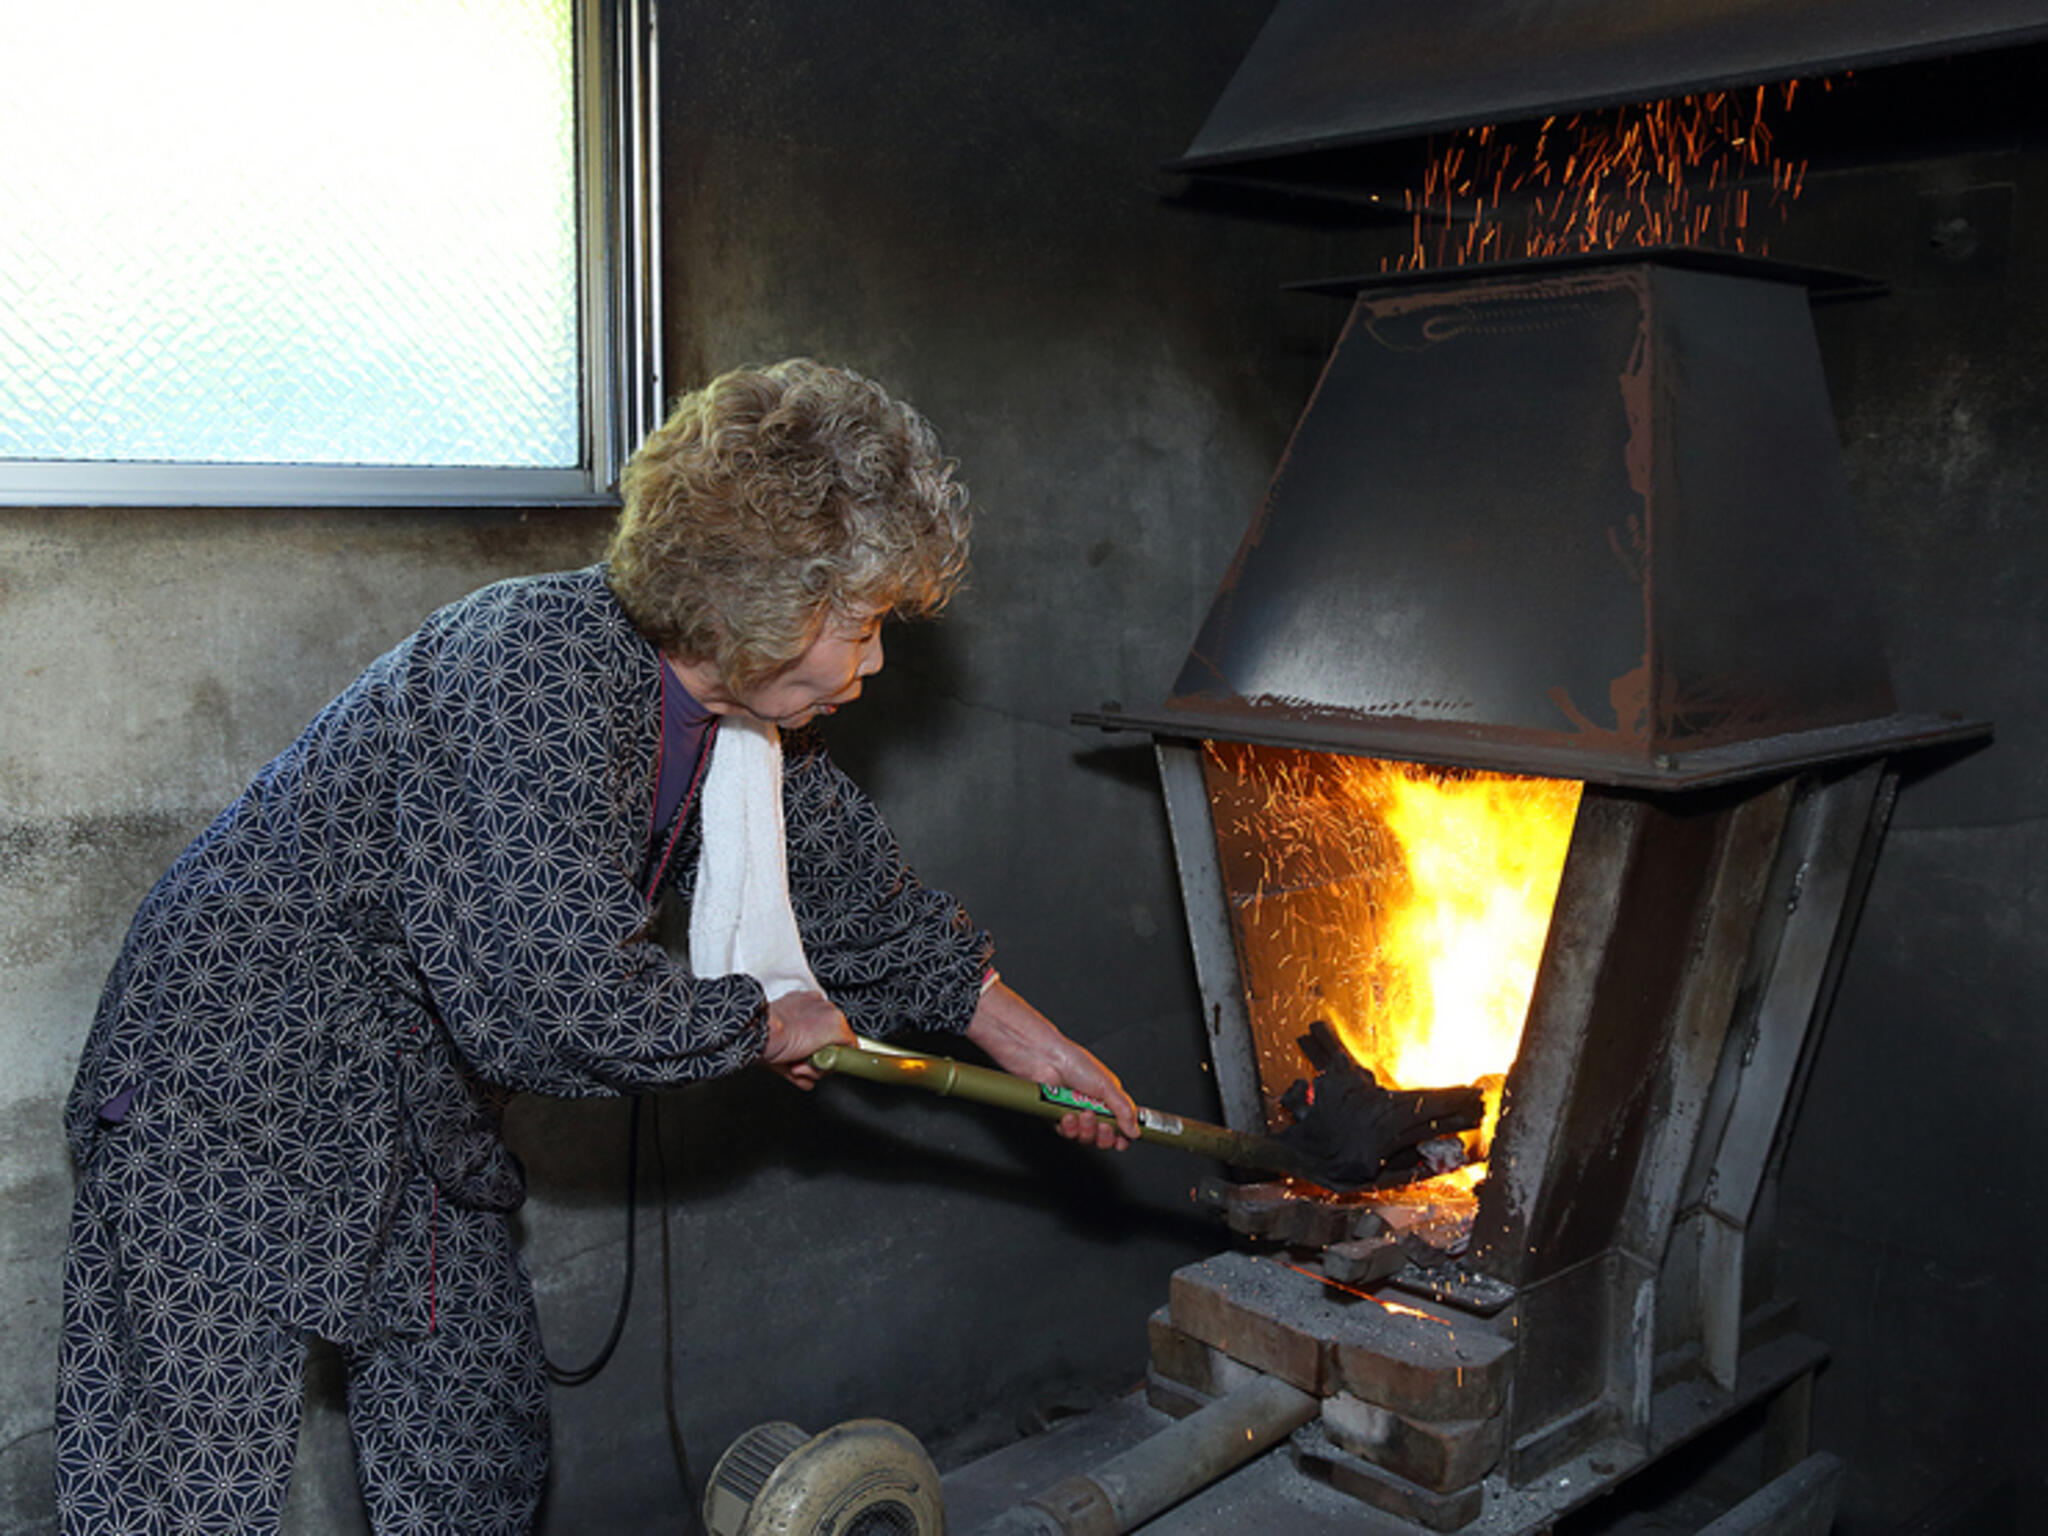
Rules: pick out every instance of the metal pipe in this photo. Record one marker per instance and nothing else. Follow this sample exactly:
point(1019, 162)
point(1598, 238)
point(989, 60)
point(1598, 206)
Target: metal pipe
point(943, 1075)
point(1161, 1470)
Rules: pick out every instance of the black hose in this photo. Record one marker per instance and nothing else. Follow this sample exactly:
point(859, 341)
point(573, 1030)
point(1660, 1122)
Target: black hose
point(693, 1524)
point(576, 1376)
point(566, 1376)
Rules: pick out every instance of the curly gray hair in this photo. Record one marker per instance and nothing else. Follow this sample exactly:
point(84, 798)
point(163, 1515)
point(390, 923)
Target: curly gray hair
point(772, 497)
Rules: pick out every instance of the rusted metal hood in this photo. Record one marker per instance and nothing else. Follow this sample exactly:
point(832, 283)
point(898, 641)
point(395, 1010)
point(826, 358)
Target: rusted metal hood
point(1329, 73)
point(1583, 518)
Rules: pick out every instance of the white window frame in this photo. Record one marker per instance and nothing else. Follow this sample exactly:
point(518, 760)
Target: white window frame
point(619, 332)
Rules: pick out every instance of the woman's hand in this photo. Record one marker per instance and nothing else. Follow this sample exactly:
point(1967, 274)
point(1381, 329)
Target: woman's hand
point(798, 1024)
point(1024, 1042)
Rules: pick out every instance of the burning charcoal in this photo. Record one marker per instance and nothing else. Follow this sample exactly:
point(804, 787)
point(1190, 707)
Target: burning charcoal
point(1421, 1252)
point(1347, 1127)
point(1317, 1223)
point(1440, 1154)
point(1256, 1210)
point(1429, 1234)
point(1284, 1213)
point(1363, 1260)
point(1366, 1224)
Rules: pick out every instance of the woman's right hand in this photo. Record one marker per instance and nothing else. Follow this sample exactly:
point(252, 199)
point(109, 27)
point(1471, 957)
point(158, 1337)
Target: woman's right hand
point(798, 1024)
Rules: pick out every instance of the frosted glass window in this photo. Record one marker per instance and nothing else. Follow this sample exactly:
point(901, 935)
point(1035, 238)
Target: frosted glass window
point(238, 232)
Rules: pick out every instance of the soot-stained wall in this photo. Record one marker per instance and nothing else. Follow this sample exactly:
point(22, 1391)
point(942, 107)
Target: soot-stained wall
point(961, 200)
point(1916, 1199)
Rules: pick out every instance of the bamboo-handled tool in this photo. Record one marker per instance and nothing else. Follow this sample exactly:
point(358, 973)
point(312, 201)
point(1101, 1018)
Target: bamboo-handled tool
point(943, 1075)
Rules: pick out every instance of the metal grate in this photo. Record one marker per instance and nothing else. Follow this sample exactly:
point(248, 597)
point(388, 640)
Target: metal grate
point(755, 1456)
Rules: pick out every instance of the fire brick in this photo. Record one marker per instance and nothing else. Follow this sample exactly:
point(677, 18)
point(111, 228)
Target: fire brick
point(1442, 1456)
point(1180, 1358)
point(1264, 1314)
point(1323, 1457)
point(1173, 1399)
point(1423, 1362)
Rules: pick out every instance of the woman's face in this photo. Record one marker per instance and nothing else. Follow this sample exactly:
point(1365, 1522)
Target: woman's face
point(828, 674)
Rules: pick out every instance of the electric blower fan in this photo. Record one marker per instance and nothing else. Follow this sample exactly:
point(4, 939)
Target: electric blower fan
point(866, 1477)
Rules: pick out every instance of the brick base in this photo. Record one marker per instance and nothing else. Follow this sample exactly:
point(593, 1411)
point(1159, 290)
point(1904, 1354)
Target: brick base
point(1418, 1360)
point(1441, 1455)
point(1321, 1457)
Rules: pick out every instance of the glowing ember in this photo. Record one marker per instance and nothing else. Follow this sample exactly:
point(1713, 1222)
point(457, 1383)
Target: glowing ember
point(1693, 170)
point(1407, 905)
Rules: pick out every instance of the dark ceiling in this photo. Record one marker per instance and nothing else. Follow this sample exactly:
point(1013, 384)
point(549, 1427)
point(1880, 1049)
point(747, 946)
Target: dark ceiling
point(1330, 73)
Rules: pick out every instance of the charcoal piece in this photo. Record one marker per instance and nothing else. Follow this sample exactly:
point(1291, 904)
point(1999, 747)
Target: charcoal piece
point(1363, 1260)
point(1274, 1211)
point(1347, 1127)
point(1422, 1253)
point(1441, 1154)
point(1256, 1210)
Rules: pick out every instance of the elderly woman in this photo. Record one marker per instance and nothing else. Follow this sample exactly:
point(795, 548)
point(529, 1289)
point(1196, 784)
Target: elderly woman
point(287, 1116)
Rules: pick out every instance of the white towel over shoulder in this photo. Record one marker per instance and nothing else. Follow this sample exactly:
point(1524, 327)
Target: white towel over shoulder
point(741, 922)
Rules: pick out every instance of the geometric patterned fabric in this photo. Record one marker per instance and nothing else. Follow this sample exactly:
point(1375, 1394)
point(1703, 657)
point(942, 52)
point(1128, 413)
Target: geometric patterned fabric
point(437, 896)
point(236, 232)
point(178, 1406)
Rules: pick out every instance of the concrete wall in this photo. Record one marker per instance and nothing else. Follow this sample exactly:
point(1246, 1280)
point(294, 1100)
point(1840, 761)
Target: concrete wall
point(961, 200)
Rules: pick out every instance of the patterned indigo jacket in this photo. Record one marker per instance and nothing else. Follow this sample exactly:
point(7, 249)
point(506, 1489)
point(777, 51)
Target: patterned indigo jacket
point(438, 895)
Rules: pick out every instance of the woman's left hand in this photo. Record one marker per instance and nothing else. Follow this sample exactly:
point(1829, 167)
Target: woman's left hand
point(1025, 1043)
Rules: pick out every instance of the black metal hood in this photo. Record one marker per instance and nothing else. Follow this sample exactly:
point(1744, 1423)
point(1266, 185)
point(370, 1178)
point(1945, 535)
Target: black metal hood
point(1584, 518)
point(1329, 73)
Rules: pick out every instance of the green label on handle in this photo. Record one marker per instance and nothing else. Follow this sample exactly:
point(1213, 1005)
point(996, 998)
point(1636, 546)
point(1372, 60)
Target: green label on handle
point(1069, 1098)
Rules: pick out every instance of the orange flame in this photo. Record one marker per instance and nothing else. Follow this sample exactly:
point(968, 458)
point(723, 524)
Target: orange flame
point(1407, 905)
point(1674, 172)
